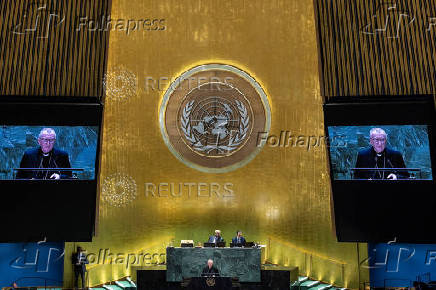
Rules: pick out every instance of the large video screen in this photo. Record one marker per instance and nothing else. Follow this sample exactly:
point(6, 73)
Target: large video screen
point(378, 152)
point(49, 167)
point(48, 152)
point(382, 170)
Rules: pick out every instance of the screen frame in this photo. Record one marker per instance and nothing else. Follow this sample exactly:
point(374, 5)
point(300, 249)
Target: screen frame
point(429, 136)
point(346, 210)
point(53, 111)
point(56, 128)
point(420, 111)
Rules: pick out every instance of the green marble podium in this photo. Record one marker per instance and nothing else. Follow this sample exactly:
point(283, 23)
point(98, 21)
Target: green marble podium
point(231, 262)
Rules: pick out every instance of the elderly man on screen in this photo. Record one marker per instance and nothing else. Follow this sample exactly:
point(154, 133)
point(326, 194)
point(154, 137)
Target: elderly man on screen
point(45, 156)
point(378, 156)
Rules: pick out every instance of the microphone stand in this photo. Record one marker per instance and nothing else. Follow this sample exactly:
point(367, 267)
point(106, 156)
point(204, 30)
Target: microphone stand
point(377, 172)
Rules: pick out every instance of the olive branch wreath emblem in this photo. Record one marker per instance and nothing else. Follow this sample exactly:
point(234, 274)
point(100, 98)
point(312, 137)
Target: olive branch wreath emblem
point(234, 140)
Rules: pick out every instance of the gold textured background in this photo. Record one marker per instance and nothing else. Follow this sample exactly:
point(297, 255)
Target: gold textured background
point(281, 198)
point(55, 59)
point(377, 47)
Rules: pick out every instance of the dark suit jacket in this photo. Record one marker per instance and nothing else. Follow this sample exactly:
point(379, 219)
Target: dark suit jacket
point(390, 159)
point(235, 240)
point(212, 239)
point(212, 270)
point(32, 158)
point(84, 261)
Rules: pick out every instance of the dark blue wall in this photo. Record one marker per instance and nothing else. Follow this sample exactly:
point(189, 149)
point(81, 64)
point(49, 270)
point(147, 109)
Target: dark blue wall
point(32, 264)
point(399, 265)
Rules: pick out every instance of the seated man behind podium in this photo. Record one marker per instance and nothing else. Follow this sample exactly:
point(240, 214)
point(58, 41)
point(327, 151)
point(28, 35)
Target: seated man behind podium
point(239, 239)
point(45, 156)
point(210, 268)
point(379, 156)
point(216, 238)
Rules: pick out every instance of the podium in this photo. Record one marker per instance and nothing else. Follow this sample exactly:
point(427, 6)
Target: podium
point(243, 263)
point(48, 169)
point(403, 173)
point(209, 283)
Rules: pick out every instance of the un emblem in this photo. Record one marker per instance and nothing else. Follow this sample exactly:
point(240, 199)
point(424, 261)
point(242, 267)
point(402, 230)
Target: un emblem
point(210, 282)
point(208, 116)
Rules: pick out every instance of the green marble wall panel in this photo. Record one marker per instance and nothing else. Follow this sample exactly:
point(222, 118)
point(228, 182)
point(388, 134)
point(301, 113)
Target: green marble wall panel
point(231, 262)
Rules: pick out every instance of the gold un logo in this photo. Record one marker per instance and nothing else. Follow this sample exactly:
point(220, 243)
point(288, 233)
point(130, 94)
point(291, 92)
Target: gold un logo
point(208, 116)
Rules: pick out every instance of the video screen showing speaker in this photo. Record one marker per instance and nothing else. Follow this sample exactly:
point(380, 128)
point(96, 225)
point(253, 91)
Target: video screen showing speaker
point(381, 169)
point(381, 152)
point(49, 167)
point(44, 152)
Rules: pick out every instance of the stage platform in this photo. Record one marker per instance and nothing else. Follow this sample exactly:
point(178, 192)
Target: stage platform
point(271, 277)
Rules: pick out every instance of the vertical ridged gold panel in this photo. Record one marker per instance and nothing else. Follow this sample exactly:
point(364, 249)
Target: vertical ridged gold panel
point(44, 51)
point(377, 47)
point(281, 198)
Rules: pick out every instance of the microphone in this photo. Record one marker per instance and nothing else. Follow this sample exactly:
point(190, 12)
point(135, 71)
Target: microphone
point(377, 155)
point(401, 174)
point(390, 163)
point(56, 165)
point(392, 166)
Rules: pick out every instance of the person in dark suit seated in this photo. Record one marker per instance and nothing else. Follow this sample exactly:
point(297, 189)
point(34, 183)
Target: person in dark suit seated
point(45, 156)
point(379, 156)
point(216, 238)
point(210, 268)
point(239, 239)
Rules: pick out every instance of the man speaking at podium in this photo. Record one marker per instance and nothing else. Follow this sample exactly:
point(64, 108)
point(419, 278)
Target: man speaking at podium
point(210, 269)
point(45, 156)
point(379, 156)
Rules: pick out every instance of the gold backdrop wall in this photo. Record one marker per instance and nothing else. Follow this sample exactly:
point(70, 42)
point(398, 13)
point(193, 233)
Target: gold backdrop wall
point(281, 198)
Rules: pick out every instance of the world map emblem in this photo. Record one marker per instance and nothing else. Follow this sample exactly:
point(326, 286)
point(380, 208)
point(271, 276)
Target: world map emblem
point(210, 117)
point(212, 127)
